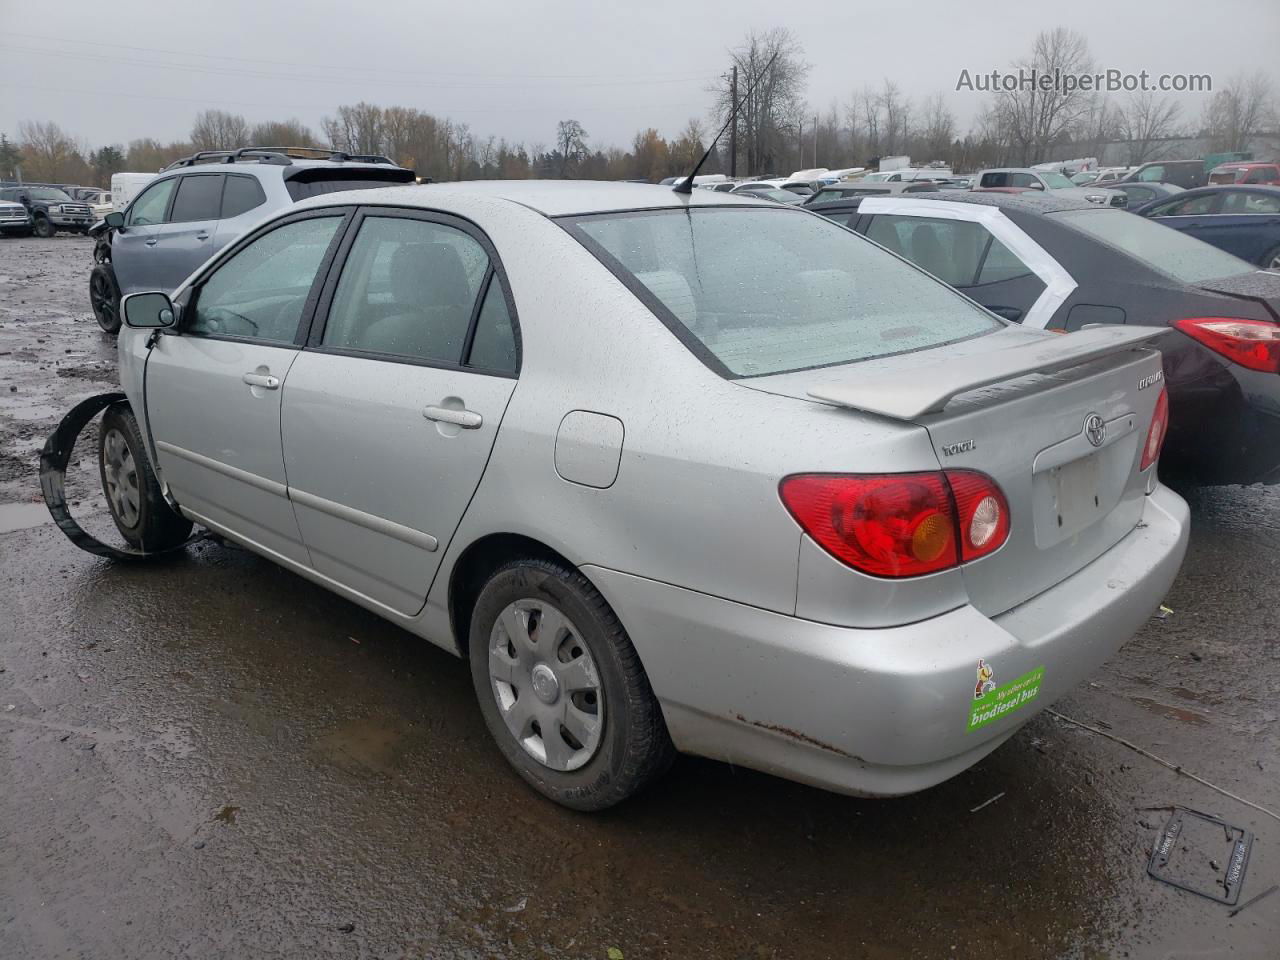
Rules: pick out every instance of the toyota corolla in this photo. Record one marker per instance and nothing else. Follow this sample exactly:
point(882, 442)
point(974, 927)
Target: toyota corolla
point(694, 473)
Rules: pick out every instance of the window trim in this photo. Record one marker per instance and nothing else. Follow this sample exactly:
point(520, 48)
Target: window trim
point(173, 199)
point(190, 296)
point(312, 340)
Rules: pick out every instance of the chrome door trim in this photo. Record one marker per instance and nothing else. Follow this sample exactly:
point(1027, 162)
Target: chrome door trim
point(390, 528)
point(217, 466)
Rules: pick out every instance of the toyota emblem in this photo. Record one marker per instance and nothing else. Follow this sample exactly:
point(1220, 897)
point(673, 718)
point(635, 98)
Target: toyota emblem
point(1095, 428)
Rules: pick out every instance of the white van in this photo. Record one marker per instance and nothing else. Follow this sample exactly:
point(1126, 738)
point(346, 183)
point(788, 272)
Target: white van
point(126, 186)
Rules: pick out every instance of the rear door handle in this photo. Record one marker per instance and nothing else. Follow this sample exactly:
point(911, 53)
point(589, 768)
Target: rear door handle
point(466, 419)
point(264, 380)
point(151, 242)
point(202, 236)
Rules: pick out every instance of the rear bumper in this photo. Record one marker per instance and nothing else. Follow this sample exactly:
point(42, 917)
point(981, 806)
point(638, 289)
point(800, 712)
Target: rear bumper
point(887, 711)
point(1225, 429)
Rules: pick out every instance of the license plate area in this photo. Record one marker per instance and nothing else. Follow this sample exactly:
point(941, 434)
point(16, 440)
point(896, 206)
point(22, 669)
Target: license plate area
point(1070, 498)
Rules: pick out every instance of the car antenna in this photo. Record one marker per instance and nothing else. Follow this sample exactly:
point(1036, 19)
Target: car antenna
point(686, 185)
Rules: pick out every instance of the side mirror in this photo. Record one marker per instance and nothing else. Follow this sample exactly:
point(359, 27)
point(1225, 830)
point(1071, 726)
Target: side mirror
point(1036, 185)
point(148, 310)
point(24, 199)
point(115, 220)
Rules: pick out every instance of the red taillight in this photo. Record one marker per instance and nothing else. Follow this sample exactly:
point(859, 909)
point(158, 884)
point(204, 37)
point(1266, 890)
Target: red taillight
point(1251, 343)
point(901, 524)
point(1156, 432)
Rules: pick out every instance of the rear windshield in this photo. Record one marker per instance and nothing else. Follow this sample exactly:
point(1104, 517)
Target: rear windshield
point(761, 291)
point(318, 181)
point(1159, 247)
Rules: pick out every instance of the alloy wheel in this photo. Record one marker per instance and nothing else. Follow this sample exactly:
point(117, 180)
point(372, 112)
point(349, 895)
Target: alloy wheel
point(546, 684)
point(101, 298)
point(121, 475)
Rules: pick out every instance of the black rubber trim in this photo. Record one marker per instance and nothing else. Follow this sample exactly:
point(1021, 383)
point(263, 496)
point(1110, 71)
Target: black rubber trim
point(54, 458)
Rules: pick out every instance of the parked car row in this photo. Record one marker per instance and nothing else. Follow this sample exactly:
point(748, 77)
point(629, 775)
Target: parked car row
point(936, 495)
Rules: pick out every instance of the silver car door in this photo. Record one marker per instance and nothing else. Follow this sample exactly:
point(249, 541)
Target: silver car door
point(133, 248)
point(186, 240)
point(213, 386)
point(391, 411)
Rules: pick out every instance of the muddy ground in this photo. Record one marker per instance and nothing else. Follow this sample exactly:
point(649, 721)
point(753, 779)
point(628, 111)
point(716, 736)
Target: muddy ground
point(210, 757)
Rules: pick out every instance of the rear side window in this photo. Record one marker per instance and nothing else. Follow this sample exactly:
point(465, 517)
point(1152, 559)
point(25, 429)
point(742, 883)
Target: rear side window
point(1237, 201)
point(494, 344)
point(317, 181)
point(240, 195)
point(199, 197)
point(1171, 252)
point(949, 249)
point(408, 289)
point(759, 291)
point(151, 204)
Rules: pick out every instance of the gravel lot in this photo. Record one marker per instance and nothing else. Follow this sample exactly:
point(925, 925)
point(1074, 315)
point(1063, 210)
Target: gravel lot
point(211, 757)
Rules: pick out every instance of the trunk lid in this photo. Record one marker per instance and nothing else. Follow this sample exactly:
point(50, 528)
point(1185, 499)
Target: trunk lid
point(1020, 406)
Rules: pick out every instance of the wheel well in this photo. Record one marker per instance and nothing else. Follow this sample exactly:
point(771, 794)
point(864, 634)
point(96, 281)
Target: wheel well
point(477, 564)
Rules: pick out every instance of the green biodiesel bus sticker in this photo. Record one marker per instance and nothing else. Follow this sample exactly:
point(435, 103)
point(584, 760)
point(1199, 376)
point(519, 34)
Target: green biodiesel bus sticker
point(991, 702)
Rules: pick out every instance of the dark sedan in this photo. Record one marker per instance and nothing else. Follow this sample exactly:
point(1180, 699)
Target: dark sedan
point(1242, 220)
point(1140, 194)
point(1062, 264)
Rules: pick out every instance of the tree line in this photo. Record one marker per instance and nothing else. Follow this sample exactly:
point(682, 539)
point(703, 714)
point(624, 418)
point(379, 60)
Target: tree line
point(777, 130)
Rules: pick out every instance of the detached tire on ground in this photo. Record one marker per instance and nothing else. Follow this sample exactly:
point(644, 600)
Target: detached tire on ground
point(104, 296)
point(43, 228)
point(141, 513)
point(561, 687)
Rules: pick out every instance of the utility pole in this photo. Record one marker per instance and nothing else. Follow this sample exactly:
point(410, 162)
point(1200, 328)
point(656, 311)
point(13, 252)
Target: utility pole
point(802, 141)
point(733, 129)
point(815, 139)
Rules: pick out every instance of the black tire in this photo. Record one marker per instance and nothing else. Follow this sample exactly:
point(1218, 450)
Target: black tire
point(152, 524)
point(104, 297)
point(43, 228)
point(634, 746)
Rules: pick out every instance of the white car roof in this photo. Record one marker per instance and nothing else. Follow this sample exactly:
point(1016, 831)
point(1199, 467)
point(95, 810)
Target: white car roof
point(553, 198)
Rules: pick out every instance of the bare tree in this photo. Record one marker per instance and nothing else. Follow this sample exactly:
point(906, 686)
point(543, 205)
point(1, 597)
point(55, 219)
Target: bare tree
point(219, 130)
point(571, 144)
point(50, 153)
point(1239, 110)
point(282, 133)
point(870, 101)
point(771, 99)
point(1037, 118)
point(1144, 121)
point(896, 111)
point(356, 129)
point(939, 128)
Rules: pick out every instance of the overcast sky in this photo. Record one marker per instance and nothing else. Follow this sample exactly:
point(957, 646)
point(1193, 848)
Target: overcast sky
point(131, 68)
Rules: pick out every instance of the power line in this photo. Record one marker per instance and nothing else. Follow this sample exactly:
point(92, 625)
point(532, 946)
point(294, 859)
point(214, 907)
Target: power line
point(331, 67)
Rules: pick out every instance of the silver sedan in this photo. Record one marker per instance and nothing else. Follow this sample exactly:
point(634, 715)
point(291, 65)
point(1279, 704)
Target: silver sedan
point(694, 473)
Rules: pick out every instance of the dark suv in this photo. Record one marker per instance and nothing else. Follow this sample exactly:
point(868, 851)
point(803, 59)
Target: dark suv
point(198, 205)
point(51, 209)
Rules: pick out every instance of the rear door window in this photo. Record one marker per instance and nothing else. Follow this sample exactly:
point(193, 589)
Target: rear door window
point(949, 249)
point(240, 195)
point(151, 205)
point(199, 197)
point(1241, 201)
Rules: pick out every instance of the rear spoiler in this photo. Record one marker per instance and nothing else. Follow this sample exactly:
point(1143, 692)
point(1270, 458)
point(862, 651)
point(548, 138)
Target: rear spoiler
point(928, 388)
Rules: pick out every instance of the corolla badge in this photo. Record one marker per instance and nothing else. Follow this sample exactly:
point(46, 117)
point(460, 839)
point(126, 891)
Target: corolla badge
point(1095, 428)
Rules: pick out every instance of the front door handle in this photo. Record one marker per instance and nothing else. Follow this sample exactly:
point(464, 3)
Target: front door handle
point(466, 419)
point(264, 380)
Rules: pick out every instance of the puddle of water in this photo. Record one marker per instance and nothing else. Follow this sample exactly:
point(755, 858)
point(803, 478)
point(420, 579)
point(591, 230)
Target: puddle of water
point(23, 516)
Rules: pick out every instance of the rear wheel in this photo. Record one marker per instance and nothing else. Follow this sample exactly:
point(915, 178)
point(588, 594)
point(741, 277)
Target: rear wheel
point(561, 687)
point(1271, 260)
point(104, 296)
point(43, 228)
point(140, 511)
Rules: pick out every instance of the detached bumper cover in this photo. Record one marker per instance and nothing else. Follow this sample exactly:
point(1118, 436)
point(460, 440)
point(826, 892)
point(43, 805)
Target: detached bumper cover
point(886, 711)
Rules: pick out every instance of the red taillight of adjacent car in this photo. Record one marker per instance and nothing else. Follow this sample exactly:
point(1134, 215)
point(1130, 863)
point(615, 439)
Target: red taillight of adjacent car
point(1156, 432)
point(1254, 344)
point(900, 524)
